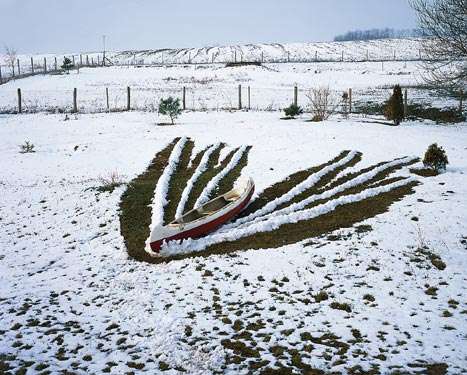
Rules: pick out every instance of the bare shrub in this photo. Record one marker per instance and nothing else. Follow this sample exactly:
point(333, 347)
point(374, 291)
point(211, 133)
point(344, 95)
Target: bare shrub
point(10, 58)
point(110, 181)
point(322, 103)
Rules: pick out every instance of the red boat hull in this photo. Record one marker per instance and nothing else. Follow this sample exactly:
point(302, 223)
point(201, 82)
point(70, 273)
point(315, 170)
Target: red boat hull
point(206, 228)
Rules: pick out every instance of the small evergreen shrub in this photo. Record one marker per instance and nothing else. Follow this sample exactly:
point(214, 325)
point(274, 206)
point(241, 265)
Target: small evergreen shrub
point(293, 110)
point(27, 148)
point(435, 158)
point(170, 107)
point(394, 109)
point(67, 65)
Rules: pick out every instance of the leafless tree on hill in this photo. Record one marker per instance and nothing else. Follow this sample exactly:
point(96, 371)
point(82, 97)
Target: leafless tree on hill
point(444, 22)
point(10, 58)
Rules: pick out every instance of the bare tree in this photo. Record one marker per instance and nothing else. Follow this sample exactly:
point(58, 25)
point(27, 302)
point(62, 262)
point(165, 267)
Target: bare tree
point(10, 58)
point(444, 24)
point(322, 103)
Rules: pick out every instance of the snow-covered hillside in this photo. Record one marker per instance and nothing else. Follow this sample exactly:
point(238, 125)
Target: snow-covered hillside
point(387, 49)
point(374, 50)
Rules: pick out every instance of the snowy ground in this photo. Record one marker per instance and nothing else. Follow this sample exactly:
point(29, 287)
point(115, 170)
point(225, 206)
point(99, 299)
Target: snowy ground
point(71, 299)
point(215, 86)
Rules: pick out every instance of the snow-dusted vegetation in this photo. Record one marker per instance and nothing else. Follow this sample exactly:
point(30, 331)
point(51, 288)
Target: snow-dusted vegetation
point(344, 261)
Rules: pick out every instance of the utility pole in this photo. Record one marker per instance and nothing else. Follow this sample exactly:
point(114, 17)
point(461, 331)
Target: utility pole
point(103, 53)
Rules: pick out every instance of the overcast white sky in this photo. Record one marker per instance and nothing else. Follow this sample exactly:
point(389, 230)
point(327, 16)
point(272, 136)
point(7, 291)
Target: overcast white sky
point(34, 26)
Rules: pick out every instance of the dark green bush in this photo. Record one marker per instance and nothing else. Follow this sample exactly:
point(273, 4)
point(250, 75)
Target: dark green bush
point(394, 109)
point(170, 107)
point(67, 65)
point(293, 110)
point(435, 158)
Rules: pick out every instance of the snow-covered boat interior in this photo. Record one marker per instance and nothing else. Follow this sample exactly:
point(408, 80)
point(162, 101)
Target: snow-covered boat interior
point(208, 208)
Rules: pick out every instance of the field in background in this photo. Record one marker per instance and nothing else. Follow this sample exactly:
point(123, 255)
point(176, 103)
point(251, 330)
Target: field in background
point(215, 87)
point(375, 50)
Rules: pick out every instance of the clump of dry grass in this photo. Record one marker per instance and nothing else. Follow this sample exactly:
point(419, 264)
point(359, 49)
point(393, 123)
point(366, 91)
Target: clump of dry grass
point(110, 181)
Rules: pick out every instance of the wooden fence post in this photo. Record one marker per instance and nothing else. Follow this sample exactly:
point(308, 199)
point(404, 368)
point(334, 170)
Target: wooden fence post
point(235, 56)
point(73, 60)
point(20, 109)
point(461, 102)
point(249, 98)
point(350, 100)
point(92, 61)
point(128, 98)
point(262, 56)
point(184, 98)
point(295, 95)
point(87, 60)
point(19, 69)
point(342, 57)
point(55, 63)
point(239, 96)
point(107, 98)
point(75, 100)
point(394, 55)
point(288, 56)
point(45, 65)
point(316, 55)
point(98, 60)
point(367, 55)
point(80, 59)
point(32, 65)
point(405, 103)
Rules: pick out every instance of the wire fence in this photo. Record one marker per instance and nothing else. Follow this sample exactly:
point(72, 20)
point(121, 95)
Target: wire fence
point(97, 99)
point(25, 66)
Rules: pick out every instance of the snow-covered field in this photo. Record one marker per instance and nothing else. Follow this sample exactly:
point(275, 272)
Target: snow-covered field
point(70, 298)
point(215, 87)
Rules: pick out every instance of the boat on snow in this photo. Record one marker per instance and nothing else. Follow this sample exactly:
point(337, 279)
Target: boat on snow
point(206, 218)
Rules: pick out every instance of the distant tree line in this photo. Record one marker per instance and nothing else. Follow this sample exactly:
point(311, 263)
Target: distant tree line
point(378, 34)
